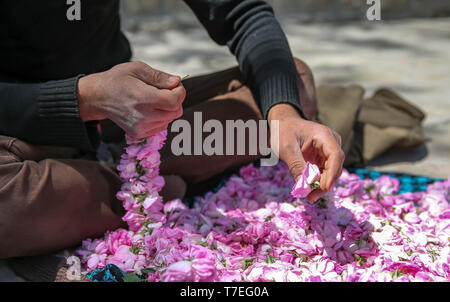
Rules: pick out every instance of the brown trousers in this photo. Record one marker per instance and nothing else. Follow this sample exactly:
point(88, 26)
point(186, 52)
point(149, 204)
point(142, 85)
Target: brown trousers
point(53, 197)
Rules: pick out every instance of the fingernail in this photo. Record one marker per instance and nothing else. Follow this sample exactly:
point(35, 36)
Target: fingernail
point(173, 80)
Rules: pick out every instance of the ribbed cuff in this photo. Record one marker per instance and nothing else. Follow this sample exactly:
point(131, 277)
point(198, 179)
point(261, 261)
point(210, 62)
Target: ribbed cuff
point(281, 88)
point(60, 116)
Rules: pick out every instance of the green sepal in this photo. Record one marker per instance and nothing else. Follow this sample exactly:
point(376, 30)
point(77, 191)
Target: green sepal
point(131, 278)
point(315, 185)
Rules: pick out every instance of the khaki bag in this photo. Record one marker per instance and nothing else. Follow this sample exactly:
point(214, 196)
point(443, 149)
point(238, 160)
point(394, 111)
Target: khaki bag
point(369, 127)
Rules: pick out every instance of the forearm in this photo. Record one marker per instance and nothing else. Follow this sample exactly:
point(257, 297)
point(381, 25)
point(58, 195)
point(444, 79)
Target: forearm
point(307, 93)
point(282, 111)
point(45, 113)
point(253, 34)
point(267, 63)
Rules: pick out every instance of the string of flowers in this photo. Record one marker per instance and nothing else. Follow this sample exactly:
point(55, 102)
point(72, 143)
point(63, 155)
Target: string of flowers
point(254, 229)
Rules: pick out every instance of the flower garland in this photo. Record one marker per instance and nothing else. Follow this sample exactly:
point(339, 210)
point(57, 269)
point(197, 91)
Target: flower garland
point(253, 229)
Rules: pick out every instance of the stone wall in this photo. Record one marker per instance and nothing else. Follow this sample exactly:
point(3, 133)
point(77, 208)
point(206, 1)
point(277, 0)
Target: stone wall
point(309, 10)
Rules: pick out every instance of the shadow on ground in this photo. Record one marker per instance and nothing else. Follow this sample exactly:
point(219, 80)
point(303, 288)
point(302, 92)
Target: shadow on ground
point(400, 155)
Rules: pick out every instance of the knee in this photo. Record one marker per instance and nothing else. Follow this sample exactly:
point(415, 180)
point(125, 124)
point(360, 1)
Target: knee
point(305, 73)
point(308, 93)
point(9, 168)
point(302, 67)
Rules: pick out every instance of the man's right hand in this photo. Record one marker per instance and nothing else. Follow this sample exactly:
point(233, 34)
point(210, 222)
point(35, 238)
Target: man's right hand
point(139, 99)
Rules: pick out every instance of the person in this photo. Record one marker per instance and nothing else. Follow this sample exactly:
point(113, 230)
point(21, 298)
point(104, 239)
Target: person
point(60, 79)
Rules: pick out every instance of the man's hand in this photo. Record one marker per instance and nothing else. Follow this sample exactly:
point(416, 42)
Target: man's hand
point(139, 99)
point(301, 140)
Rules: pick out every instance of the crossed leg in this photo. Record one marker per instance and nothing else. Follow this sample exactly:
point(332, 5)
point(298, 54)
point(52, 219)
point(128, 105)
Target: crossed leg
point(51, 199)
point(224, 96)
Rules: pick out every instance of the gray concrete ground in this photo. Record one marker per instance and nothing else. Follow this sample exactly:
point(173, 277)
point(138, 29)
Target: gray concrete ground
point(410, 56)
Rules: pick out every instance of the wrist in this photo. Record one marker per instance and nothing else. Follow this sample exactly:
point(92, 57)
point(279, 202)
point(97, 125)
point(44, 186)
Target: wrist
point(87, 100)
point(282, 111)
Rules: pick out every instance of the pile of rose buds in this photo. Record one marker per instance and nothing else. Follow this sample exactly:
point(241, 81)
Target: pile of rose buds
point(254, 229)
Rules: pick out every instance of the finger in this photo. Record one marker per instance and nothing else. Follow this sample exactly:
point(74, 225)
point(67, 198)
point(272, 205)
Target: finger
point(313, 153)
point(333, 165)
point(155, 77)
point(170, 100)
point(156, 118)
point(315, 195)
point(152, 129)
point(338, 138)
point(158, 129)
point(293, 157)
point(168, 116)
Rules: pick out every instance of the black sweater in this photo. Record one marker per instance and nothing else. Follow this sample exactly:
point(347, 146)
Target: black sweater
point(43, 54)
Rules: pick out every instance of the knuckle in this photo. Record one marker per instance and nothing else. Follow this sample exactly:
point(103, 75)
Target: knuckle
point(329, 131)
point(120, 66)
point(285, 145)
point(139, 64)
point(179, 113)
point(341, 155)
point(296, 167)
point(283, 149)
point(173, 101)
point(323, 130)
point(134, 65)
point(157, 76)
point(182, 95)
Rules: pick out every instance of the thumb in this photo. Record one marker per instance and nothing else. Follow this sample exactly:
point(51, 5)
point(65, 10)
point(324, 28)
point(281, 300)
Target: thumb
point(155, 77)
point(293, 157)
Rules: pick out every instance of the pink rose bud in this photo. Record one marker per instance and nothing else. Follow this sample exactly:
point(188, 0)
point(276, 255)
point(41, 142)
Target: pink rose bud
point(307, 182)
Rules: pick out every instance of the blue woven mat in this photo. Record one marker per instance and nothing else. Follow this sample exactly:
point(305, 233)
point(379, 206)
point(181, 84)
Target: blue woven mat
point(110, 273)
point(408, 182)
